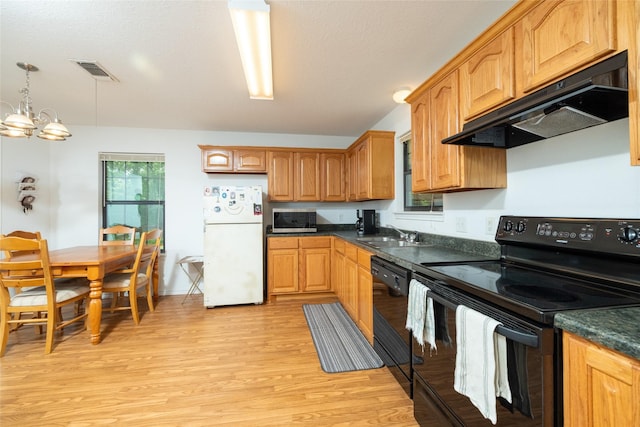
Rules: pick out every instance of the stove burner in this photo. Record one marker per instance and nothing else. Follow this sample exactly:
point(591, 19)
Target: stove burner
point(540, 293)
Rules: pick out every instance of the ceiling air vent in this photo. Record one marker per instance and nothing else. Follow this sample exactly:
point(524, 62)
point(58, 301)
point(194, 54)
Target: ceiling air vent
point(96, 70)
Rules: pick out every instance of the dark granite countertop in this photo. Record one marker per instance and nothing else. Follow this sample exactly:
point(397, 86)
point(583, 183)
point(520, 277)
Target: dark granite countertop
point(440, 249)
point(616, 328)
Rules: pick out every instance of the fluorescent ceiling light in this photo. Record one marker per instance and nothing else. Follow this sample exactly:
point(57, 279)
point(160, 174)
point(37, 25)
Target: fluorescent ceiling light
point(251, 25)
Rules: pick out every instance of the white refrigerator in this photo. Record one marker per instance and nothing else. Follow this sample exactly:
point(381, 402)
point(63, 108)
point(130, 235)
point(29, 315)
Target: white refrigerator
point(233, 246)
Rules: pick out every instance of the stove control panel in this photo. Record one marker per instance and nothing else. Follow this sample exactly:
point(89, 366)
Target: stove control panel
point(615, 236)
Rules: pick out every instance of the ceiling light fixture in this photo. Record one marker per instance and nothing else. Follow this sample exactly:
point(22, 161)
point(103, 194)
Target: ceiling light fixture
point(22, 122)
point(400, 94)
point(251, 25)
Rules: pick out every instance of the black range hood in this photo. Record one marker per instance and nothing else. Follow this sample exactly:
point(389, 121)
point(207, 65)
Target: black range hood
point(593, 96)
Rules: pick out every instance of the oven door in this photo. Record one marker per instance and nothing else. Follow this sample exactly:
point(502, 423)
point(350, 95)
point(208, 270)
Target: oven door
point(391, 341)
point(531, 369)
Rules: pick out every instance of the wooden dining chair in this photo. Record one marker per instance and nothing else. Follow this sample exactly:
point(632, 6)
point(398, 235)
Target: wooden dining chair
point(137, 277)
point(40, 294)
point(25, 235)
point(117, 235)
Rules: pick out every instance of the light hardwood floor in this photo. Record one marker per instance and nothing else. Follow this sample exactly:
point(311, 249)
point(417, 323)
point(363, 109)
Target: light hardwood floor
point(188, 366)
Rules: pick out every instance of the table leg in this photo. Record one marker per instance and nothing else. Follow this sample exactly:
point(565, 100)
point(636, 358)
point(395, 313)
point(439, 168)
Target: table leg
point(95, 310)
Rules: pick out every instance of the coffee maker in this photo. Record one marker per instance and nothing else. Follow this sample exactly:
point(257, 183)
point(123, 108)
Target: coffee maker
point(369, 221)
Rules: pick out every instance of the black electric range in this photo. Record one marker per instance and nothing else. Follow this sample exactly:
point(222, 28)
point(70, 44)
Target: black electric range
point(547, 265)
point(550, 265)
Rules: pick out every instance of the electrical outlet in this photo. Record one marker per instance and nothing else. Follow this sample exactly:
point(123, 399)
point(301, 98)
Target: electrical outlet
point(490, 225)
point(340, 218)
point(461, 224)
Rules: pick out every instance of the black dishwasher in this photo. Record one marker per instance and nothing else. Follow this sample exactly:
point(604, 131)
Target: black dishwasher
point(391, 340)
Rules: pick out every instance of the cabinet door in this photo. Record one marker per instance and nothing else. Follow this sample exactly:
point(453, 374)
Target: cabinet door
point(352, 165)
point(337, 275)
point(250, 161)
point(420, 144)
point(283, 271)
point(365, 295)
point(280, 176)
point(315, 270)
point(601, 387)
point(443, 122)
point(333, 177)
point(217, 160)
point(487, 79)
point(364, 171)
point(558, 37)
point(350, 281)
point(307, 172)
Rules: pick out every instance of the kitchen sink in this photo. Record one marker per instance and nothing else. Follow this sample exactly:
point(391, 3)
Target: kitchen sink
point(379, 242)
point(377, 239)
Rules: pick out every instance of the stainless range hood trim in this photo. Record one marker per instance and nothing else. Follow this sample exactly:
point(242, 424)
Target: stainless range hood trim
point(606, 80)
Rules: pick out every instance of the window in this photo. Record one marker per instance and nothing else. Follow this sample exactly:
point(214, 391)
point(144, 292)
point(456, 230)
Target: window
point(425, 202)
point(133, 191)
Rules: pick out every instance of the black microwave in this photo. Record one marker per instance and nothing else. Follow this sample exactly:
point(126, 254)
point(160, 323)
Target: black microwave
point(294, 221)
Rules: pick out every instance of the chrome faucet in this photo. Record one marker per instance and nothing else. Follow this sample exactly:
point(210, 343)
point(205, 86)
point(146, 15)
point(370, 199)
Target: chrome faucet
point(403, 235)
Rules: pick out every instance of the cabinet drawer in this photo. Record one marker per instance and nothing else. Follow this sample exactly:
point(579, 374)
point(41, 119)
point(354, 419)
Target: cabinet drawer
point(315, 242)
point(364, 258)
point(351, 252)
point(338, 245)
point(283, 243)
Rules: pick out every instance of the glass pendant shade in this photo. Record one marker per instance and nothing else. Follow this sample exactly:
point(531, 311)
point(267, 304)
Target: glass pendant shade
point(19, 121)
point(56, 128)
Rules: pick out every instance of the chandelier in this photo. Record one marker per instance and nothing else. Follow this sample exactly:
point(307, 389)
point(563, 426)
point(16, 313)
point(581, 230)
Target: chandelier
point(22, 122)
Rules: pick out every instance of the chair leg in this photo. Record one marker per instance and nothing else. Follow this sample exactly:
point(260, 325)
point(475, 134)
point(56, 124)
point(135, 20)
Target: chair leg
point(51, 328)
point(150, 298)
point(4, 331)
point(38, 315)
point(133, 303)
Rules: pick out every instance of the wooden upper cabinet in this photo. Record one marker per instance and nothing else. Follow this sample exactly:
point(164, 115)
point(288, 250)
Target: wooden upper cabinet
point(487, 79)
point(216, 159)
point(443, 123)
point(557, 38)
point(420, 144)
point(252, 161)
point(436, 167)
point(364, 170)
point(306, 175)
point(233, 159)
point(371, 166)
point(333, 177)
point(280, 173)
point(306, 183)
point(352, 175)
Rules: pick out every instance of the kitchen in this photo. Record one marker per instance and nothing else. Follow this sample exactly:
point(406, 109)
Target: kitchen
point(582, 174)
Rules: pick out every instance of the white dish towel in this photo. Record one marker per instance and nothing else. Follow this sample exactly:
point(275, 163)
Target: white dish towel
point(420, 315)
point(481, 361)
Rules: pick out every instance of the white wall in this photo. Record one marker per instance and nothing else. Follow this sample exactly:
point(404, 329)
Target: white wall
point(583, 174)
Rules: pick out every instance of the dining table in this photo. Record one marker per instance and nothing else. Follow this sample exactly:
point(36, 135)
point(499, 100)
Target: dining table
point(94, 263)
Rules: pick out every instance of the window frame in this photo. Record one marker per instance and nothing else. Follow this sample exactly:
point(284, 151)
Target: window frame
point(160, 203)
point(435, 200)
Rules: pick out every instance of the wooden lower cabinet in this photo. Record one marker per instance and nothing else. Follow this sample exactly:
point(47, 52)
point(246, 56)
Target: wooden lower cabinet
point(350, 281)
point(353, 284)
point(365, 294)
point(298, 265)
point(601, 386)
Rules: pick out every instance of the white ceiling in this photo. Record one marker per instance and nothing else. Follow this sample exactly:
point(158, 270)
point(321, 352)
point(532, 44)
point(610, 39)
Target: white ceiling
point(335, 63)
